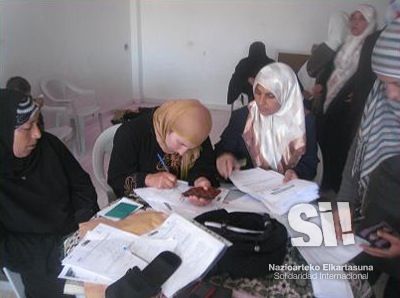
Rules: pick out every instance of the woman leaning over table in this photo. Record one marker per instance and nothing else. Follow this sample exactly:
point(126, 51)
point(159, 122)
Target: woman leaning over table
point(171, 142)
point(44, 195)
point(272, 132)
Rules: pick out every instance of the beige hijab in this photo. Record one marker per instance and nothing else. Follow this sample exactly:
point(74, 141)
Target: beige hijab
point(190, 120)
point(277, 141)
point(346, 61)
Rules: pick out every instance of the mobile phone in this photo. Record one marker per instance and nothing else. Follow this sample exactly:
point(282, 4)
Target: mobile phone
point(162, 267)
point(371, 234)
point(209, 194)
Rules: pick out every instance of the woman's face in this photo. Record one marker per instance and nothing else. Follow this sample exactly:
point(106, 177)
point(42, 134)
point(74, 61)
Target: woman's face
point(177, 144)
point(357, 23)
point(266, 101)
point(392, 87)
point(26, 137)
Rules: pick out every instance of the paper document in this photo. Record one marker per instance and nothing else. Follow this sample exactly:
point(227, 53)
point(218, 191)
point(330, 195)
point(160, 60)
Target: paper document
point(106, 253)
point(197, 248)
point(172, 200)
point(268, 187)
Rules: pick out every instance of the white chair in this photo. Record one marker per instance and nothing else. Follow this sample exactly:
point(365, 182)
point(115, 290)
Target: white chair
point(56, 123)
point(81, 103)
point(101, 152)
point(16, 283)
point(243, 99)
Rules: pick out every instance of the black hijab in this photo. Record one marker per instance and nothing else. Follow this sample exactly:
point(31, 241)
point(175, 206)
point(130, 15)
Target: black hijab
point(246, 68)
point(10, 165)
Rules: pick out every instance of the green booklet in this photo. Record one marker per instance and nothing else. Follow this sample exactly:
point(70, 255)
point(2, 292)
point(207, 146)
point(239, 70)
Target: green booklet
point(120, 209)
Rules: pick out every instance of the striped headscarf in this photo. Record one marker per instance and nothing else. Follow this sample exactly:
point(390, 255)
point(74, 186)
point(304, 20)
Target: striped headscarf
point(386, 54)
point(379, 134)
point(26, 109)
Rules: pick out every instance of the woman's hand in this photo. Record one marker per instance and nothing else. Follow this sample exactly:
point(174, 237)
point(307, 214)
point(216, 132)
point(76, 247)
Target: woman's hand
point(161, 180)
point(226, 163)
point(317, 90)
point(289, 175)
point(204, 183)
point(392, 252)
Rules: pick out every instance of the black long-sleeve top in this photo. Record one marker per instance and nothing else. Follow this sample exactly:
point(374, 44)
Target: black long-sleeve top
point(135, 153)
point(42, 204)
point(232, 142)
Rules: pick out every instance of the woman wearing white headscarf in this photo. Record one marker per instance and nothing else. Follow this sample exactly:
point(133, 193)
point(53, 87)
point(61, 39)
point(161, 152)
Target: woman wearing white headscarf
point(336, 123)
point(272, 132)
point(322, 56)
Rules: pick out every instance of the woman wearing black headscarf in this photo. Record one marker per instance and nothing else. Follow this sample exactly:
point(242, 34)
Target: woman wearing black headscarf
point(44, 195)
point(246, 69)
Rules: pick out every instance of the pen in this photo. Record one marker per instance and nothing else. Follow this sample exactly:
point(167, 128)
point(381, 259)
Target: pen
point(162, 162)
point(168, 206)
point(282, 189)
point(129, 250)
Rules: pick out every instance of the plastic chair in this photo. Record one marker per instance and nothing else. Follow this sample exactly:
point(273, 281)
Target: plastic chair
point(16, 283)
point(244, 100)
point(101, 151)
point(60, 128)
point(81, 103)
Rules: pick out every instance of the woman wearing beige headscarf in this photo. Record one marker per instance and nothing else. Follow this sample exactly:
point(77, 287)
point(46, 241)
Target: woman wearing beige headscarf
point(337, 121)
point(272, 131)
point(168, 143)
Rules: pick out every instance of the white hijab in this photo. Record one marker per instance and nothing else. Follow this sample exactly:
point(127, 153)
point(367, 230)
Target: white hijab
point(277, 141)
point(346, 61)
point(338, 29)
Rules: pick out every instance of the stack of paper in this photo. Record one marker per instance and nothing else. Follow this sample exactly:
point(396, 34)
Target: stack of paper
point(106, 253)
point(268, 187)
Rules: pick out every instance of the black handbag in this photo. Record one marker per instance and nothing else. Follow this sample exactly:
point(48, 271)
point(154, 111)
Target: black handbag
point(257, 239)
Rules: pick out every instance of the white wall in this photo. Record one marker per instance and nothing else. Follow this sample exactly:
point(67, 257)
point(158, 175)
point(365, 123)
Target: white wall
point(190, 47)
point(177, 48)
point(79, 39)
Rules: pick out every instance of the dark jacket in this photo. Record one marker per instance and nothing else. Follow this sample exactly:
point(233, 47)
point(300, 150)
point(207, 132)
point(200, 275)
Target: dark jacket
point(232, 142)
point(43, 197)
point(135, 155)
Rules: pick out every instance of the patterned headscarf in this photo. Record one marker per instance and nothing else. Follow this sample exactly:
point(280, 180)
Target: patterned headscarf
point(393, 11)
point(26, 109)
point(277, 141)
point(386, 54)
point(346, 61)
point(379, 135)
point(190, 120)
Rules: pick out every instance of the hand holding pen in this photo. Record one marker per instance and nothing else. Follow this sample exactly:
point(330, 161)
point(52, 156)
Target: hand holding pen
point(162, 180)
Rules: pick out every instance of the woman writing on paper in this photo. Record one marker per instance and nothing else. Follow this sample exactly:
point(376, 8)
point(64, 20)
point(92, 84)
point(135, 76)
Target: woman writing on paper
point(169, 143)
point(271, 132)
point(44, 195)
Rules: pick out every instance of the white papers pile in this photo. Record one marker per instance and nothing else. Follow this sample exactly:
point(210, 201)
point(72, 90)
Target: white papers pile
point(106, 253)
point(103, 256)
point(268, 187)
point(172, 200)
